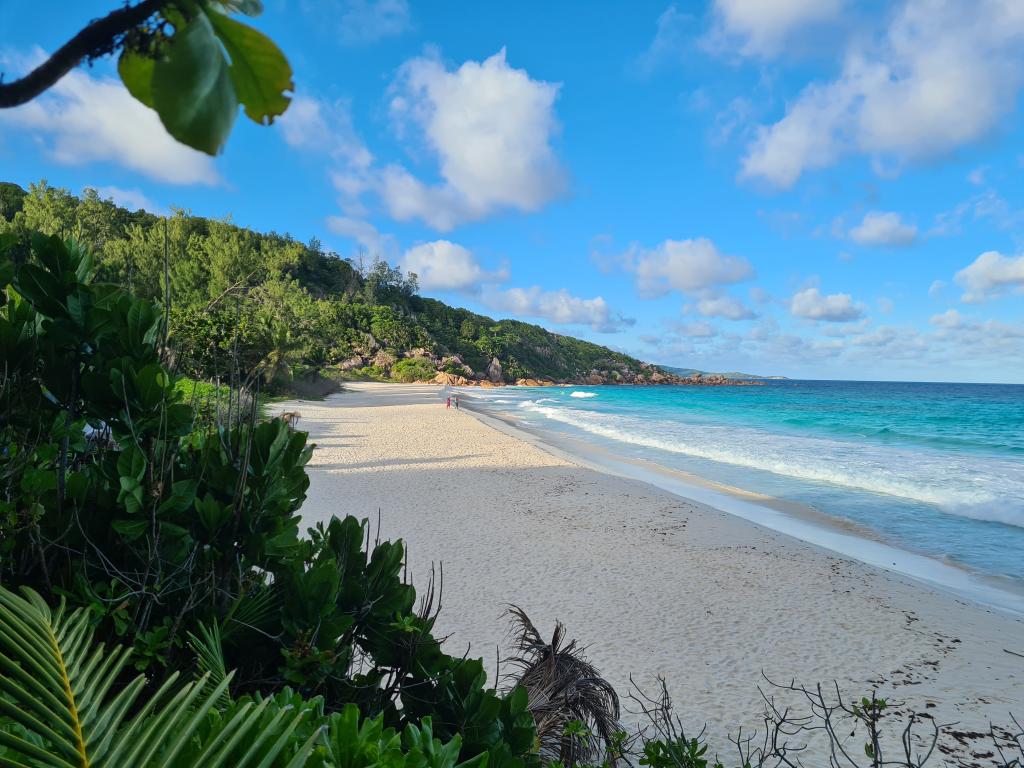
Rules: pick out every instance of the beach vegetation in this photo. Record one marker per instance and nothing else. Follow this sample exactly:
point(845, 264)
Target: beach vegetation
point(247, 306)
point(173, 605)
point(413, 369)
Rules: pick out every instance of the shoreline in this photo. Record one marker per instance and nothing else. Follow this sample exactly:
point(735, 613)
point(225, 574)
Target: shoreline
point(792, 519)
point(651, 583)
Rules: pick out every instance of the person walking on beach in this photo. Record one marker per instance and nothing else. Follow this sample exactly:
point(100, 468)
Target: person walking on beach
point(448, 405)
point(456, 402)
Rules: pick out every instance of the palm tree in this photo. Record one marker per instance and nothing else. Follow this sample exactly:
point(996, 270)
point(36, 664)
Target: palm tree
point(575, 709)
point(276, 366)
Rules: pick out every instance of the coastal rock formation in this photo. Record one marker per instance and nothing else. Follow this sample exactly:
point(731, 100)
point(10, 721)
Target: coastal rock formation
point(425, 354)
point(450, 380)
point(454, 361)
point(352, 362)
point(494, 372)
point(384, 360)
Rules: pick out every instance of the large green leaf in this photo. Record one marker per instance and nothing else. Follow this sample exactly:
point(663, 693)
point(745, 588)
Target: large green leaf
point(260, 72)
point(136, 73)
point(192, 88)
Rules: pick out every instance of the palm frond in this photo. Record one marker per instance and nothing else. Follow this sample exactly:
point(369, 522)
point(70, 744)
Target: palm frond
point(210, 655)
point(575, 709)
point(64, 708)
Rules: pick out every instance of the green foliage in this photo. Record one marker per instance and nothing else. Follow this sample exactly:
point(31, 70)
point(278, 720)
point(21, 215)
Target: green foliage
point(196, 76)
point(62, 705)
point(412, 369)
point(185, 542)
point(208, 401)
point(248, 306)
point(11, 197)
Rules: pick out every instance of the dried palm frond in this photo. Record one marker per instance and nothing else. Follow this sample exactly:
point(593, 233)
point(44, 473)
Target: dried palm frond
point(575, 709)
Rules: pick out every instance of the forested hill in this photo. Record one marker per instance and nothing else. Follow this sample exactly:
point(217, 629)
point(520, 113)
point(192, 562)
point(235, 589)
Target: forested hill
point(266, 305)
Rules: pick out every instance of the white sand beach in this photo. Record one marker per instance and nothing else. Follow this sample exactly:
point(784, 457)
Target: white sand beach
point(651, 583)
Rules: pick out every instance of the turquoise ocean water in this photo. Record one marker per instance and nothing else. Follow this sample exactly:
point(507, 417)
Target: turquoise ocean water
point(933, 469)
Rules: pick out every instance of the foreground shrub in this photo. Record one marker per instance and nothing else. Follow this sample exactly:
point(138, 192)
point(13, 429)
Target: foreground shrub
point(113, 501)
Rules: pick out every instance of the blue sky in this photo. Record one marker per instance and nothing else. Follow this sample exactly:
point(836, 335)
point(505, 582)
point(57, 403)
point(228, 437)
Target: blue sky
point(814, 188)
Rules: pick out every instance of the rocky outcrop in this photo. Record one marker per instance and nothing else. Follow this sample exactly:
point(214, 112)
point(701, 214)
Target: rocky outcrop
point(450, 380)
point(454, 361)
point(426, 354)
point(494, 372)
point(384, 360)
point(352, 362)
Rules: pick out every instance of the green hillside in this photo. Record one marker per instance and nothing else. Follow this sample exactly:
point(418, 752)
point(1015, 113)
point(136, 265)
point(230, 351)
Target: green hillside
point(253, 305)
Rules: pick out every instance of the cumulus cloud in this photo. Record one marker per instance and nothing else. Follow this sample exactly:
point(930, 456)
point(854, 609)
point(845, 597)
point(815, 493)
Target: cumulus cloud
point(811, 304)
point(85, 119)
point(557, 307)
point(689, 266)
point(978, 339)
point(991, 275)
point(364, 233)
point(490, 127)
point(324, 127)
point(884, 229)
point(941, 76)
point(446, 266)
point(761, 27)
point(727, 307)
point(367, 21)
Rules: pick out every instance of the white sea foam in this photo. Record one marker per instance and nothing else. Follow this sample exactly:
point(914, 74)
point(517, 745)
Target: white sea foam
point(984, 489)
point(583, 394)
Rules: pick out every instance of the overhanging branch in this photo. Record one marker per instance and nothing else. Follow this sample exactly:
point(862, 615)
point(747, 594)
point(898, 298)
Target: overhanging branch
point(94, 40)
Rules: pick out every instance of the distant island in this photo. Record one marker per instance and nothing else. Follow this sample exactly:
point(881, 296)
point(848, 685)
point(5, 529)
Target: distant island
point(732, 375)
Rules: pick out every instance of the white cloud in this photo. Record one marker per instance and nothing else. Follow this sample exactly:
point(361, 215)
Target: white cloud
point(490, 127)
point(85, 119)
point(364, 233)
point(556, 306)
point(668, 41)
point(761, 27)
point(990, 275)
point(447, 266)
point(367, 21)
point(973, 340)
point(883, 228)
point(811, 304)
point(942, 76)
point(318, 126)
point(937, 287)
point(132, 199)
point(977, 176)
point(685, 265)
point(728, 307)
point(948, 319)
point(701, 329)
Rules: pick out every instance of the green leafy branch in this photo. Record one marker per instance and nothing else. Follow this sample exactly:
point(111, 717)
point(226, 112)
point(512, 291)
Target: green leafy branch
point(186, 59)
